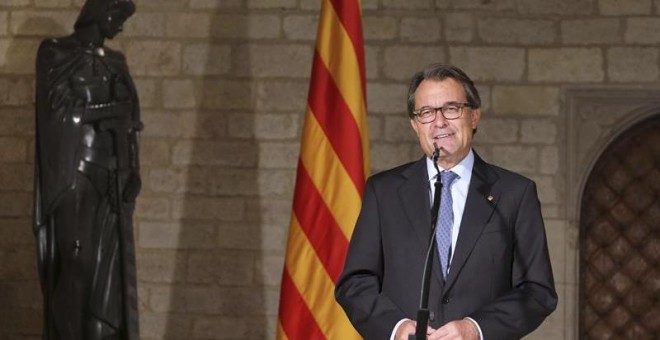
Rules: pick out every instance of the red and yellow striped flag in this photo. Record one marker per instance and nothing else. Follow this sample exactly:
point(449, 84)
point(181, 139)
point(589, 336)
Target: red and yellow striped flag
point(333, 165)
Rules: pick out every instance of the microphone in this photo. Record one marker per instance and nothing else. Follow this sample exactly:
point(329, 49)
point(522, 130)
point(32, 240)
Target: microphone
point(423, 313)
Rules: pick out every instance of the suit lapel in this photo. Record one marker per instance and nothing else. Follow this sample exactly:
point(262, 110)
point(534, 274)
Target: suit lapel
point(479, 206)
point(415, 194)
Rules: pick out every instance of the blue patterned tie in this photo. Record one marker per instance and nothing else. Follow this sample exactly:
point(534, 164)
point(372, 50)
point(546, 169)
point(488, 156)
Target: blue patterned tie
point(445, 220)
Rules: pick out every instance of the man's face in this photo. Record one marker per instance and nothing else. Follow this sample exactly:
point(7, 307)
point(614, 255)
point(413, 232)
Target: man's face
point(113, 22)
point(453, 137)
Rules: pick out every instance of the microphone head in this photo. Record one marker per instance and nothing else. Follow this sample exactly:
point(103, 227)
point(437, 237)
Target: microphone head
point(436, 152)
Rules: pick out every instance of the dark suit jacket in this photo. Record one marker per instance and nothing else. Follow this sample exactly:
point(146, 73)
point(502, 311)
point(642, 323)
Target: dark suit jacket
point(500, 272)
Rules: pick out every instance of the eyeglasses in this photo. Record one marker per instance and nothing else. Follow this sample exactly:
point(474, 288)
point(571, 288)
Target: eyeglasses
point(450, 111)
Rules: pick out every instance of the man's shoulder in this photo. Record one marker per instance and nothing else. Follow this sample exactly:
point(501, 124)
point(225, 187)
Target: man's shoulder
point(400, 172)
point(504, 174)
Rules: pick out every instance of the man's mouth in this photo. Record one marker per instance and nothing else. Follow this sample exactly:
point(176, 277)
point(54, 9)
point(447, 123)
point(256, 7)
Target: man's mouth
point(442, 135)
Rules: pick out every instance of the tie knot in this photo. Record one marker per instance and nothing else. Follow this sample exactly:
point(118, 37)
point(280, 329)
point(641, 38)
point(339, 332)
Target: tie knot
point(447, 177)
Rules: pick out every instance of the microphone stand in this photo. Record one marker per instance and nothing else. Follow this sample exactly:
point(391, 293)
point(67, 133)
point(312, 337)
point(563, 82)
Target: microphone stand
point(423, 313)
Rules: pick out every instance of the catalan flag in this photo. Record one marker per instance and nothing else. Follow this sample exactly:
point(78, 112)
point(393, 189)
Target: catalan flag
point(332, 168)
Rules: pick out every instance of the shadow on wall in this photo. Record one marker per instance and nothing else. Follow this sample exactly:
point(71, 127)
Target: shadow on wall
point(216, 290)
point(20, 292)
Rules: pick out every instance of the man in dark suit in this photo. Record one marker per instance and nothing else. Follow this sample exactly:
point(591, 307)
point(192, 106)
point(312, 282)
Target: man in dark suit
point(492, 277)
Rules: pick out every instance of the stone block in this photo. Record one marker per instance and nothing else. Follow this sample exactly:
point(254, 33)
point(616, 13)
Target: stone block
point(16, 231)
point(270, 268)
point(517, 31)
point(300, 27)
point(17, 56)
point(278, 155)
point(241, 236)
point(163, 124)
point(407, 4)
point(376, 128)
point(642, 30)
point(215, 181)
point(4, 27)
point(17, 263)
point(154, 58)
point(388, 155)
point(52, 3)
point(146, 24)
point(206, 60)
point(228, 94)
point(208, 208)
point(459, 27)
point(148, 91)
point(16, 176)
point(254, 26)
point(49, 23)
point(221, 268)
point(526, 100)
point(312, 5)
point(398, 129)
point(502, 5)
point(566, 7)
point(630, 7)
point(497, 130)
point(379, 27)
point(388, 98)
point(165, 180)
point(279, 4)
point(549, 160)
point(547, 189)
point(13, 149)
point(372, 61)
point(160, 266)
point(421, 29)
point(273, 239)
point(176, 235)
point(161, 4)
point(230, 327)
point(234, 154)
point(632, 64)
point(592, 31)
point(274, 60)
point(276, 183)
point(21, 294)
point(538, 131)
point(215, 4)
point(189, 25)
point(263, 126)
point(271, 211)
point(16, 3)
point(402, 61)
point(281, 95)
point(490, 63)
point(516, 158)
point(570, 65)
point(17, 122)
point(150, 206)
point(154, 151)
point(154, 326)
point(16, 91)
point(179, 94)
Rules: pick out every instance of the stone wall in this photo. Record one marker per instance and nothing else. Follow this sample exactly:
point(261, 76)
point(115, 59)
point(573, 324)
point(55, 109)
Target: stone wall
point(223, 86)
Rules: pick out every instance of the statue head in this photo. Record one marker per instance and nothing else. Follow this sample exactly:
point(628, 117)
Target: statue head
point(109, 15)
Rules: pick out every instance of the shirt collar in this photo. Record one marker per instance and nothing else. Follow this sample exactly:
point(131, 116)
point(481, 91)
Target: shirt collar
point(463, 169)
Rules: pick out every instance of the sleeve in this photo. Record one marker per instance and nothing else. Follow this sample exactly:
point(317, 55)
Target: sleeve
point(359, 290)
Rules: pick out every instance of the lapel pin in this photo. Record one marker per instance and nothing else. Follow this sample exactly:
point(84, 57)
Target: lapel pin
point(490, 198)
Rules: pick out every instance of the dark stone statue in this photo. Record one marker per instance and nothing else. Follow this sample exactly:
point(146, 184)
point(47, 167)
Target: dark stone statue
point(87, 179)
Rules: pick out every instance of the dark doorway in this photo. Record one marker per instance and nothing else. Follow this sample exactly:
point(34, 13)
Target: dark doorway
point(620, 239)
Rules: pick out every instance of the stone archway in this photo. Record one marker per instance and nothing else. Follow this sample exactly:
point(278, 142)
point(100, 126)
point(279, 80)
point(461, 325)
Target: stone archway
point(620, 238)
